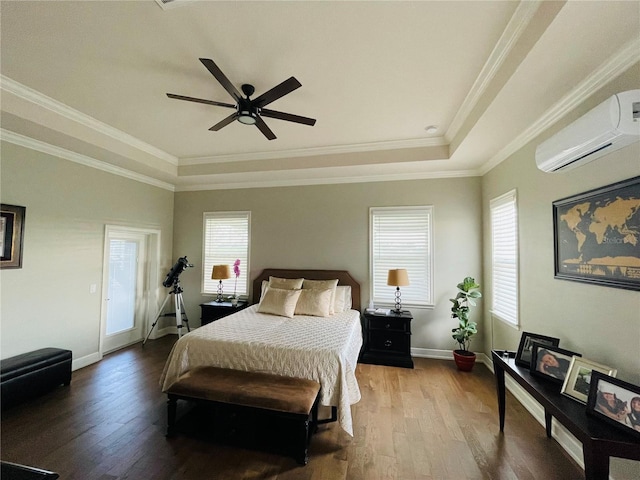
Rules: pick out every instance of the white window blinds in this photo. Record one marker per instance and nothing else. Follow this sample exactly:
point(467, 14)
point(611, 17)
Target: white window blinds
point(226, 239)
point(401, 237)
point(504, 257)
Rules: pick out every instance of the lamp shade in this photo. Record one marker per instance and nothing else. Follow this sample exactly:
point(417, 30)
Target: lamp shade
point(220, 272)
point(398, 278)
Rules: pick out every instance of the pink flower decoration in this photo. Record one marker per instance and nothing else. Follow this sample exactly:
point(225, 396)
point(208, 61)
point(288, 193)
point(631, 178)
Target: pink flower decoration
point(236, 268)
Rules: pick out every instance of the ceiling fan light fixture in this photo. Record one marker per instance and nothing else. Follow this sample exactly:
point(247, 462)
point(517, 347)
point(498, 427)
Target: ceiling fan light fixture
point(247, 111)
point(247, 117)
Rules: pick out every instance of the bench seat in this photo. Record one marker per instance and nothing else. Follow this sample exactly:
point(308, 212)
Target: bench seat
point(31, 374)
point(289, 399)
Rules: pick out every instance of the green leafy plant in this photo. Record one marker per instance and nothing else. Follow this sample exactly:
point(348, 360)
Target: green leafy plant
point(467, 292)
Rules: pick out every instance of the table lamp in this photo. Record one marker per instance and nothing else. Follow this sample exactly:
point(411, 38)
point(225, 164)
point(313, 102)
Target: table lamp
point(220, 272)
point(398, 278)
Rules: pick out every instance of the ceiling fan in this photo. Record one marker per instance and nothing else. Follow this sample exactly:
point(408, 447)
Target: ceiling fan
point(249, 111)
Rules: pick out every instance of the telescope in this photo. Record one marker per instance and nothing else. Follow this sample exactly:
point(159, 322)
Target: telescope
point(172, 280)
point(176, 270)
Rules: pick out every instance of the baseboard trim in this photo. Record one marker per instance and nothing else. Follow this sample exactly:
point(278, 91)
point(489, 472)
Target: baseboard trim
point(444, 355)
point(85, 361)
point(432, 353)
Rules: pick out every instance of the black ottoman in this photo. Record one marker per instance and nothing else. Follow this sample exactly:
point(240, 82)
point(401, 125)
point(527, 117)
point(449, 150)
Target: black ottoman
point(31, 374)
point(13, 471)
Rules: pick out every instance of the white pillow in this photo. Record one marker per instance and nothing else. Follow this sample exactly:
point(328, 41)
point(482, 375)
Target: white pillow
point(321, 285)
point(342, 302)
point(279, 301)
point(286, 283)
point(263, 289)
point(314, 302)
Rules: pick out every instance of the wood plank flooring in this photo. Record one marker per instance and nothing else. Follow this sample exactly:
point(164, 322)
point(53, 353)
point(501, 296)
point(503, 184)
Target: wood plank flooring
point(429, 423)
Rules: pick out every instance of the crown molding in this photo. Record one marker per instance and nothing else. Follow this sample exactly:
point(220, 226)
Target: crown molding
point(316, 151)
point(626, 57)
point(328, 181)
point(28, 142)
point(37, 98)
point(509, 38)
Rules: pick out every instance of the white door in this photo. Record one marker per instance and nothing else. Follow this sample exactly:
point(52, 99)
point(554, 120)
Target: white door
point(126, 287)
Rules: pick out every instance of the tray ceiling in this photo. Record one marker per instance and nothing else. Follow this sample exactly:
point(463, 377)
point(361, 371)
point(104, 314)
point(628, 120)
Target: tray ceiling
point(88, 81)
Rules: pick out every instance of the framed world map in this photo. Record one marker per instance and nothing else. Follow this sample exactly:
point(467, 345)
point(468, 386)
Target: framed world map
point(597, 236)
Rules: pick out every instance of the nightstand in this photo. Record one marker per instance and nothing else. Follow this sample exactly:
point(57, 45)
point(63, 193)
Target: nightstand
point(212, 311)
point(387, 339)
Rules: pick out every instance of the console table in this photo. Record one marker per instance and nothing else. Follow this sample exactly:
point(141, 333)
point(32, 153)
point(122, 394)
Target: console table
point(599, 439)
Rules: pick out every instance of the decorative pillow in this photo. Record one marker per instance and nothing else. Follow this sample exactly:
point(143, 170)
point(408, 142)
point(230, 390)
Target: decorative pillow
point(342, 302)
point(321, 285)
point(314, 302)
point(263, 289)
point(279, 301)
point(286, 283)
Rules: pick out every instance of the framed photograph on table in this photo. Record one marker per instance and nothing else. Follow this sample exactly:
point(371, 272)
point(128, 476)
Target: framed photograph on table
point(578, 380)
point(596, 237)
point(551, 362)
point(11, 233)
point(615, 402)
point(523, 356)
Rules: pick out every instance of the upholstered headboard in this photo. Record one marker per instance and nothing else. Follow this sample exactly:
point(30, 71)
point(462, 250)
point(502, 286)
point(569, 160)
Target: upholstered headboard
point(344, 278)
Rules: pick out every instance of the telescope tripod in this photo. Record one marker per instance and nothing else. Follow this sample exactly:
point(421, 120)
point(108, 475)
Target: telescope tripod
point(180, 313)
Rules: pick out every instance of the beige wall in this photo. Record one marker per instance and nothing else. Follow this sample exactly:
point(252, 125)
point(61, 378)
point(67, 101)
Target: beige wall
point(48, 301)
point(602, 323)
point(327, 227)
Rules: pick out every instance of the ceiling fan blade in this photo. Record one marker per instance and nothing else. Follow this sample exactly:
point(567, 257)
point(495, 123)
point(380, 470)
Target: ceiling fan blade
point(200, 100)
point(266, 131)
point(223, 123)
point(221, 77)
point(288, 86)
point(289, 117)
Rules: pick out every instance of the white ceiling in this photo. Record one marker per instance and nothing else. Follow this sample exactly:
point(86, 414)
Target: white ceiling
point(87, 81)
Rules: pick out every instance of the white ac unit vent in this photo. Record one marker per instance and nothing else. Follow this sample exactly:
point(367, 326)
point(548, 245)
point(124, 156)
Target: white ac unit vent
point(613, 124)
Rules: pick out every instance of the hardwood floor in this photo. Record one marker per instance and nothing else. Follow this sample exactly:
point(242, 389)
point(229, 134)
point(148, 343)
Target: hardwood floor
point(431, 422)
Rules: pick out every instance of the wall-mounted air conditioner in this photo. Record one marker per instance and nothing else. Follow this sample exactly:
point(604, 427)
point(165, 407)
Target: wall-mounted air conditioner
point(613, 124)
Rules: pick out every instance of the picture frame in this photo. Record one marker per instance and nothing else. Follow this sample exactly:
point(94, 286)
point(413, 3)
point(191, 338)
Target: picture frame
point(596, 236)
point(11, 235)
point(578, 380)
point(551, 363)
point(615, 402)
point(523, 355)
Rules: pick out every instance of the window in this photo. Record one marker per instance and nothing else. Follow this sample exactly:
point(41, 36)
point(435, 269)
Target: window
point(226, 239)
point(504, 257)
point(401, 237)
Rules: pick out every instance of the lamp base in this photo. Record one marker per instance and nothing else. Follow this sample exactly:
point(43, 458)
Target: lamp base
point(398, 308)
point(219, 297)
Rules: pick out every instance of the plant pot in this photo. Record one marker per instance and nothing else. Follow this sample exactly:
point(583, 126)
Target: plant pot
point(465, 360)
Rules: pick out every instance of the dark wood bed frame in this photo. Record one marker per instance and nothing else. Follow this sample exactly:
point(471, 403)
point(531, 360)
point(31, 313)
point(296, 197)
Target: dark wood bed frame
point(344, 278)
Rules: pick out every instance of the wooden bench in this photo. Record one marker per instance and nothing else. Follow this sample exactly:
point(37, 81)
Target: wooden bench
point(292, 400)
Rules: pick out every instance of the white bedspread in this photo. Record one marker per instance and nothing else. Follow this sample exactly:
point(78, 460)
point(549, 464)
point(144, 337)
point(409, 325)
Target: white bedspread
point(324, 349)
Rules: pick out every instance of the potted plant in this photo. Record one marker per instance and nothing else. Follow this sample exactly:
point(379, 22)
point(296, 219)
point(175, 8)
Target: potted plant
point(467, 292)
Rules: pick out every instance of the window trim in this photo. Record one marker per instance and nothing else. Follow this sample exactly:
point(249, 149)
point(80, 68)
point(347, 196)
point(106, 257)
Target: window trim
point(506, 198)
point(429, 302)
